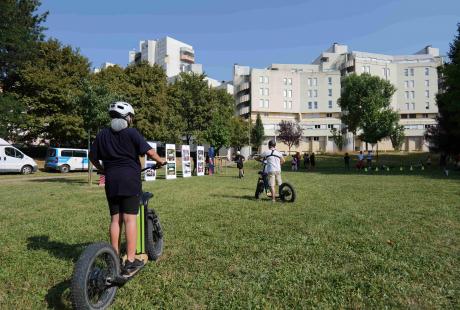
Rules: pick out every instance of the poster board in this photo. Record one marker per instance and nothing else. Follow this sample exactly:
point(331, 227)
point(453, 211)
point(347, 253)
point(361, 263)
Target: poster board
point(200, 160)
point(170, 152)
point(150, 175)
point(186, 165)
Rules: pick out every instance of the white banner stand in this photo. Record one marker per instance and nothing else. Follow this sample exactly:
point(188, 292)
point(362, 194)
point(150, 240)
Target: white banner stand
point(200, 160)
point(171, 161)
point(151, 174)
point(186, 166)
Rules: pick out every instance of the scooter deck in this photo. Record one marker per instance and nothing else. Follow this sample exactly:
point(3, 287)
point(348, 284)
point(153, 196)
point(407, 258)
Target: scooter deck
point(142, 257)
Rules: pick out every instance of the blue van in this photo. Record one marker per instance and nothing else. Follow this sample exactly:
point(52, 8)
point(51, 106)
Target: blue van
point(65, 159)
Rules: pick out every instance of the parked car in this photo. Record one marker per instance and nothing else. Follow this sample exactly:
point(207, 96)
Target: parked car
point(13, 160)
point(66, 159)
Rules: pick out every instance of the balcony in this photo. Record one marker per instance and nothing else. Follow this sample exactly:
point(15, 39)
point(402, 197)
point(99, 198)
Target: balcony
point(187, 55)
point(244, 98)
point(243, 86)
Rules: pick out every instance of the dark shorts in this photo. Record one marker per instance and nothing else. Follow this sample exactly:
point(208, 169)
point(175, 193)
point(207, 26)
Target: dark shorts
point(123, 204)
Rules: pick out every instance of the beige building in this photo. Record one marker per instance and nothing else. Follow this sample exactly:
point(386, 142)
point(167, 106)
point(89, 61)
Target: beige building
point(308, 94)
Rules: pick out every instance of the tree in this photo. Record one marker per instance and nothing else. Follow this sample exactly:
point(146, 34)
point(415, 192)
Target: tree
point(257, 133)
point(11, 117)
point(397, 137)
point(445, 137)
point(338, 138)
point(48, 86)
point(190, 96)
point(290, 134)
point(365, 102)
point(20, 31)
point(239, 132)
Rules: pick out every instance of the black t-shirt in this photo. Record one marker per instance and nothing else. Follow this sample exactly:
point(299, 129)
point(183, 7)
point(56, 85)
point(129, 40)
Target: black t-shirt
point(119, 152)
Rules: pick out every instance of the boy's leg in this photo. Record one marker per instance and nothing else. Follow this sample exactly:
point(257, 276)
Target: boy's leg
point(115, 231)
point(131, 234)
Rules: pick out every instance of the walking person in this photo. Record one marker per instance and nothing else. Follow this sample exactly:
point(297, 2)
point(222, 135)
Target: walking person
point(360, 164)
point(306, 160)
point(239, 159)
point(294, 163)
point(346, 159)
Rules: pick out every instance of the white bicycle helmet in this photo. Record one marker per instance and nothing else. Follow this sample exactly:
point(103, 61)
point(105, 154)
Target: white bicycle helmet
point(120, 109)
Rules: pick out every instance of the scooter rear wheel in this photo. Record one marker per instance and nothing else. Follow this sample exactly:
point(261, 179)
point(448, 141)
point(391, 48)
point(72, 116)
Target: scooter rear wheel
point(89, 287)
point(287, 192)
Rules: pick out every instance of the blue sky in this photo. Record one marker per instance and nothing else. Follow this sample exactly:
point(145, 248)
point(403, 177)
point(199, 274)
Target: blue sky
point(252, 32)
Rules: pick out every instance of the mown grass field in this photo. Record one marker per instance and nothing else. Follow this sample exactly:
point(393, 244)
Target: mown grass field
point(351, 240)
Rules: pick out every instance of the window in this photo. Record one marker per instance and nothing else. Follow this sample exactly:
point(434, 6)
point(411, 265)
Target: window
point(328, 114)
point(290, 105)
point(329, 92)
point(413, 105)
point(261, 79)
point(403, 115)
point(329, 80)
point(427, 83)
point(66, 153)
point(329, 104)
point(290, 93)
point(285, 104)
point(316, 104)
point(427, 126)
point(261, 91)
point(407, 105)
point(285, 81)
point(79, 154)
point(407, 94)
point(412, 83)
point(315, 81)
point(266, 80)
point(427, 93)
point(261, 103)
point(317, 126)
point(310, 105)
point(412, 95)
point(427, 105)
point(386, 72)
point(266, 103)
point(412, 115)
point(427, 71)
point(266, 91)
point(425, 115)
point(51, 152)
point(411, 70)
point(406, 84)
point(315, 93)
point(366, 69)
point(406, 72)
point(309, 82)
point(315, 138)
point(330, 126)
point(289, 81)
point(12, 152)
point(285, 93)
point(310, 94)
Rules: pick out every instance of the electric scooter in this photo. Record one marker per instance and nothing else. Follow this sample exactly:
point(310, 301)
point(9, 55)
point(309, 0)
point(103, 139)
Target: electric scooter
point(97, 273)
point(286, 190)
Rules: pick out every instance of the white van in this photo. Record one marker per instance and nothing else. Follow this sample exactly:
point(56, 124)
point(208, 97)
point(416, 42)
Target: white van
point(66, 159)
point(13, 160)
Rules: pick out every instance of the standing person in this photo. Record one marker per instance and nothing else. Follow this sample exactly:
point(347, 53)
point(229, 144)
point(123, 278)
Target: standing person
point(239, 159)
point(346, 159)
point(360, 164)
point(312, 160)
point(211, 156)
point(274, 161)
point(294, 163)
point(306, 160)
point(428, 160)
point(369, 159)
point(298, 160)
point(119, 148)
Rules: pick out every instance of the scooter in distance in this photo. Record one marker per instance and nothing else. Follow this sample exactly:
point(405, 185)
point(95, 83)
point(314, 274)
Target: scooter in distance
point(97, 273)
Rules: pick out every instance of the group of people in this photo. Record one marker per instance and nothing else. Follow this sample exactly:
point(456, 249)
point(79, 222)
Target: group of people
point(309, 161)
point(361, 164)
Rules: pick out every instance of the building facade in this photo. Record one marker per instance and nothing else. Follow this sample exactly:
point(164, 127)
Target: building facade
point(309, 93)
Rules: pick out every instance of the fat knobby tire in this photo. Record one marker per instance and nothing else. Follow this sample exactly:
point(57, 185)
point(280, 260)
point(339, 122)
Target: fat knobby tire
point(153, 236)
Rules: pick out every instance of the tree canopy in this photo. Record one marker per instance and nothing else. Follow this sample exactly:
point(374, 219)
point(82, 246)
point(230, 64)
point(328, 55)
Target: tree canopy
point(257, 133)
point(290, 133)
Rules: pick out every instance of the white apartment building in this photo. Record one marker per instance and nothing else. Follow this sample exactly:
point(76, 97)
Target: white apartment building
point(174, 57)
point(308, 94)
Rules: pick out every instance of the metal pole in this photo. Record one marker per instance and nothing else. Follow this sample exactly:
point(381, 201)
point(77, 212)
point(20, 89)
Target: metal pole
point(90, 167)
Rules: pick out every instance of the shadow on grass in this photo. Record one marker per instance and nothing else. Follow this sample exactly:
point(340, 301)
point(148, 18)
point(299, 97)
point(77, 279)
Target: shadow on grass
point(58, 297)
point(58, 249)
point(246, 197)
point(63, 180)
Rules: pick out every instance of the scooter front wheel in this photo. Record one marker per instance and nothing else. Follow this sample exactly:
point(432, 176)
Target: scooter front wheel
point(287, 192)
point(153, 236)
point(90, 287)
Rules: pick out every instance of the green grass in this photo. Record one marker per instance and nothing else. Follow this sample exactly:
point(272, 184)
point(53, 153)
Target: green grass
point(351, 240)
